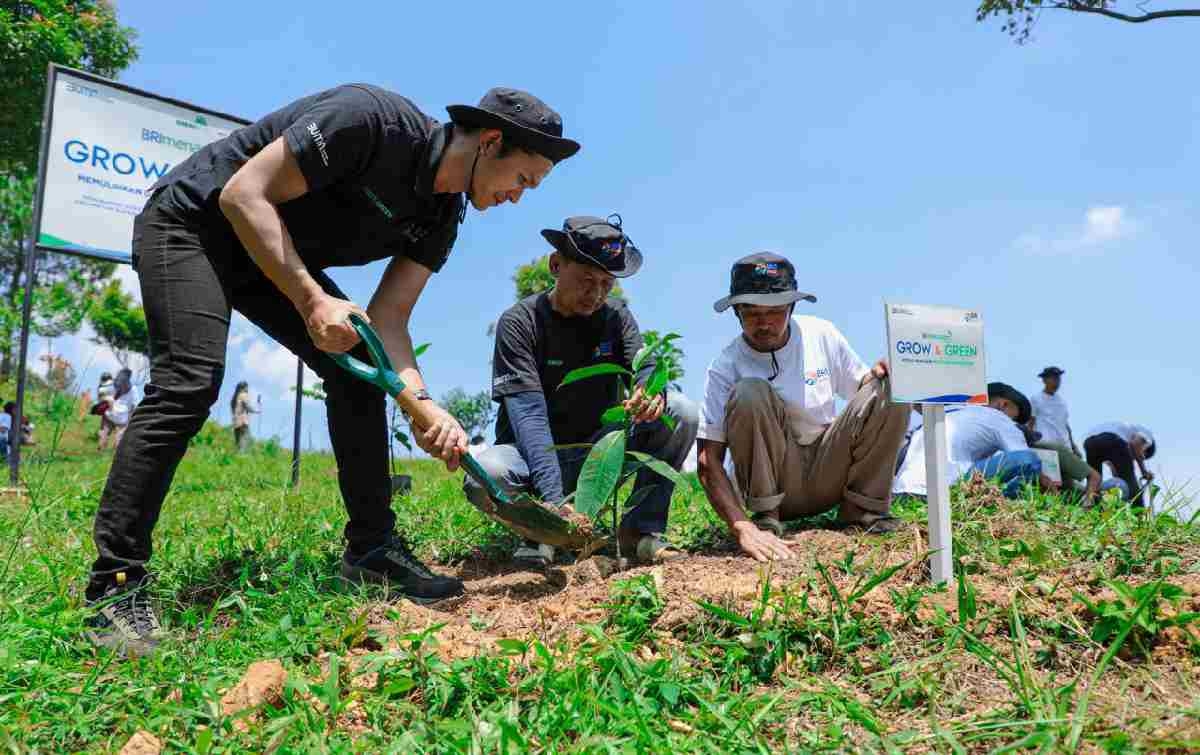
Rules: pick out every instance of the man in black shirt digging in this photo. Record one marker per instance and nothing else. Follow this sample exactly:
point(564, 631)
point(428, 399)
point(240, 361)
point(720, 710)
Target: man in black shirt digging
point(249, 223)
point(543, 337)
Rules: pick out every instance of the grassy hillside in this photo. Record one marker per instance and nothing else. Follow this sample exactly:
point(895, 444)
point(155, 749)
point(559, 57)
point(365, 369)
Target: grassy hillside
point(1068, 629)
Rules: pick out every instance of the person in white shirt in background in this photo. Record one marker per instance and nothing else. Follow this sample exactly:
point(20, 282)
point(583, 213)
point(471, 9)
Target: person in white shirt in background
point(1121, 445)
point(1050, 414)
point(984, 439)
point(769, 400)
point(120, 408)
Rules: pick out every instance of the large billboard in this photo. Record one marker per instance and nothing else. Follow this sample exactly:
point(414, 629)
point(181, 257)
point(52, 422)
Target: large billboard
point(107, 144)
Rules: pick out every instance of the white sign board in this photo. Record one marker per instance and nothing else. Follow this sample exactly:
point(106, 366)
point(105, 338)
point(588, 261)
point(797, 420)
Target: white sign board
point(1050, 466)
point(107, 145)
point(935, 354)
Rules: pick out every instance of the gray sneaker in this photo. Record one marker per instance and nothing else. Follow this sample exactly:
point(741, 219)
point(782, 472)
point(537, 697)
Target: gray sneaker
point(534, 554)
point(125, 621)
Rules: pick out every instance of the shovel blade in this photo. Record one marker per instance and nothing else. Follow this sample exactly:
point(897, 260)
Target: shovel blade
point(538, 523)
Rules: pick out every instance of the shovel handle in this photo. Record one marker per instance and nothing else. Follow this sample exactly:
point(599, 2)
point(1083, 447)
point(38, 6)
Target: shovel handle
point(383, 375)
point(380, 373)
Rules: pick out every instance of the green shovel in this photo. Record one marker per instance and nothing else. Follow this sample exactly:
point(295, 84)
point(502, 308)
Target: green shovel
point(525, 516)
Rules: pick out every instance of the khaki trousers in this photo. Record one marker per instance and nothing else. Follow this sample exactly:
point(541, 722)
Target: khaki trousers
point(851, 465)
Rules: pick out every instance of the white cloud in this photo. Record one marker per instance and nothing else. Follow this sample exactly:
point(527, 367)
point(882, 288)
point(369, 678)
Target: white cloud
point(1101, 225)
point(129, 281)
point(275, 366)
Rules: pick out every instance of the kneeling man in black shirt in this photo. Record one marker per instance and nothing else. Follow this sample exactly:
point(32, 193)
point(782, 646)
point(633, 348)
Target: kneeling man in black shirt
point(542, 338)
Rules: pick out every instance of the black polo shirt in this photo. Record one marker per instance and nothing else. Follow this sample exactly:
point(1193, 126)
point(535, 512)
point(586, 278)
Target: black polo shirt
point(369, 157)
point(535, 349)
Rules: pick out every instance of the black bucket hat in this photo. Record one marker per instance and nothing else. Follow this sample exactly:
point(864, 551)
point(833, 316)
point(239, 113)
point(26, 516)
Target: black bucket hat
point(1051, 372)
point(597, 241)
point(1004, 390)
point(765, 279)
point(525, 121)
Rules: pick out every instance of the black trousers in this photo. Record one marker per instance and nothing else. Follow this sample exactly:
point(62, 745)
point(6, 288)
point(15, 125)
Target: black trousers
point(191, 279)
point(1112, 448)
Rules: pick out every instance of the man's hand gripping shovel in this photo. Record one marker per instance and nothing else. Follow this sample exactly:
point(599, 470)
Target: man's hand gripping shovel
point(526, 517)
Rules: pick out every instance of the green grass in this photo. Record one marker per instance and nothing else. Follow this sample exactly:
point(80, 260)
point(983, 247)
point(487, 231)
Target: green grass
point(1068, 629)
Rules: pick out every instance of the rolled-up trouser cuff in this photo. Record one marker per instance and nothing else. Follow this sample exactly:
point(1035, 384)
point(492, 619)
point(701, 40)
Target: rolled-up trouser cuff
point(866, 503)
point(768, 503)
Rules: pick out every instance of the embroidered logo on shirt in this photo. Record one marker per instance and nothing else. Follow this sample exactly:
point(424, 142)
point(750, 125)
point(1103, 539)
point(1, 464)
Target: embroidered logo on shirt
point(554, 363)
point(812, 376)
point(603, 350)
point(319, 140)
point(379, 205)
point(502, 379)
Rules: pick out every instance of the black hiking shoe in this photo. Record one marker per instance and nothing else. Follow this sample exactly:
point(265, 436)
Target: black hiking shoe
point(125, 621)
point(394, 566)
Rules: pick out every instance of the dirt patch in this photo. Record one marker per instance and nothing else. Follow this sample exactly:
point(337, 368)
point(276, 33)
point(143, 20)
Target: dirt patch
point(142, 743)
point(261, 684)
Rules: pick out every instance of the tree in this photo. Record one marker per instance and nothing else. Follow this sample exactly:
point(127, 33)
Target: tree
point(473, 411)
point(66, 285)
point(1020, 15)
point(82, 34)
point(34, 33)
point(535, 277)
point(120, 324)
point(654, 340)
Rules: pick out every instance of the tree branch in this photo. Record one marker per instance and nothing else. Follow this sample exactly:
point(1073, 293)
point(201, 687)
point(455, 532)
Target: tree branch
point(1078, 7)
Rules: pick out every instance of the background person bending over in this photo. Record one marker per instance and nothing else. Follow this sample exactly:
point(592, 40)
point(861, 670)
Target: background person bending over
point(543, 337)
point(768, 399)
point(1121, 445)
point(984, 439)
point(249, 223)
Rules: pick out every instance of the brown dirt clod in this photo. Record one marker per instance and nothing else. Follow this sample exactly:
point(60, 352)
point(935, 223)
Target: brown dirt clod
point(262, 684)
point(142, 743)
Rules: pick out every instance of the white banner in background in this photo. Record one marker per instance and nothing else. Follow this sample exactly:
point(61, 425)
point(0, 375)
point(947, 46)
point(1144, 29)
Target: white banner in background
point(107, 146)
point(935, 354)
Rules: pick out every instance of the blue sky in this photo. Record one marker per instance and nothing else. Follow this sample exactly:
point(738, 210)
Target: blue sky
point(891, 150)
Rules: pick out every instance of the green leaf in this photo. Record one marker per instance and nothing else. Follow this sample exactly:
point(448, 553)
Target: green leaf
point(876, 581)
point(669, 421)
point(403, 439)
point(600, 473)
point(724, 613)
point(659, 378)
point(659, 466)
point(669, 692)
point(640, 357)
point(417, 352)
point(638, 496)
point(614, 415)
point(512, 647)
point(583, 373)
